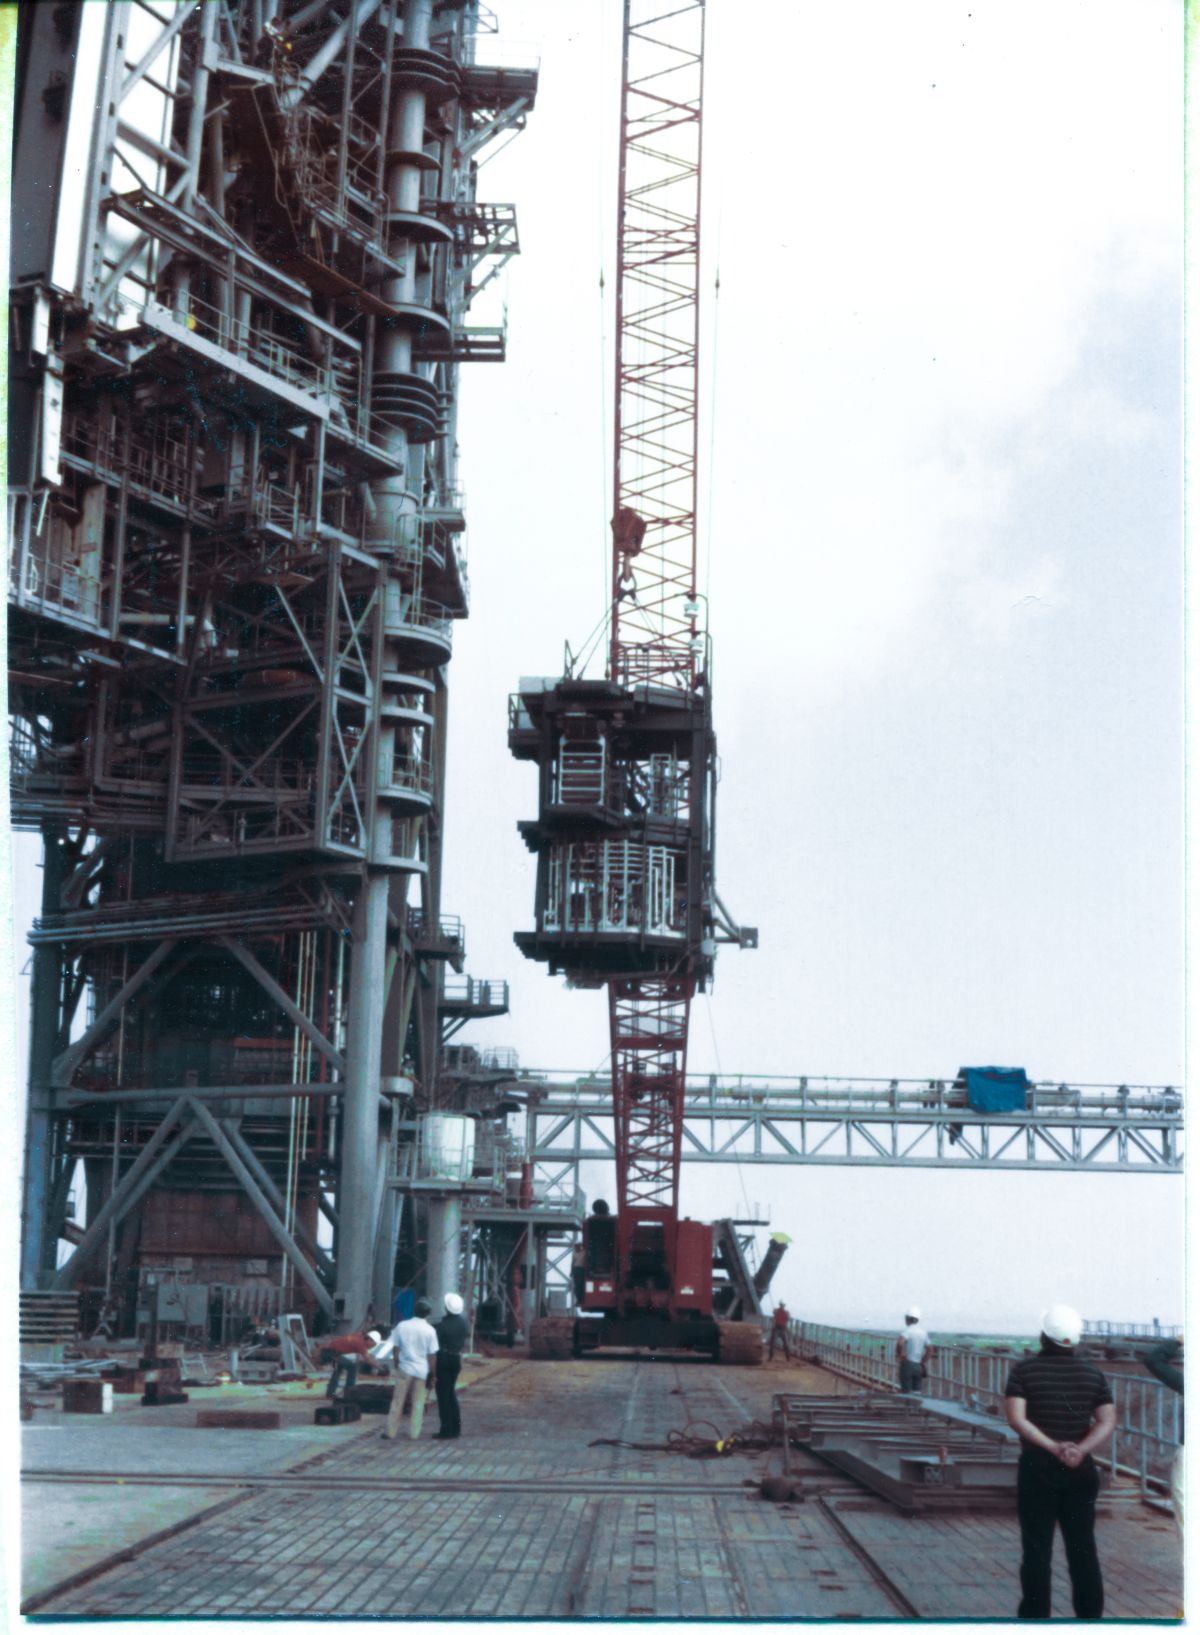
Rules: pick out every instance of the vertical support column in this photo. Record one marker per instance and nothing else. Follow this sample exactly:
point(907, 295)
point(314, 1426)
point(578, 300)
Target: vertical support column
point(39, 1235)
point(360, 1100)
point(182, 274)
point(429, 993)
point(383, 1275)
point(393, 355)
point(531, 1294)
point(445, 1234)
point(539, 1268)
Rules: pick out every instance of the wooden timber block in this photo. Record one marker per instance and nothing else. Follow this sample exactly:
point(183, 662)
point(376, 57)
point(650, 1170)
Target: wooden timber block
point(128, 1385)
point(87, 1396)
point(337, 1413)
point(238, 1419)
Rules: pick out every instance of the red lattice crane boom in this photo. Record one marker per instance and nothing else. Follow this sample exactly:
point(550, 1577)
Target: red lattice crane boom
point(624, 836)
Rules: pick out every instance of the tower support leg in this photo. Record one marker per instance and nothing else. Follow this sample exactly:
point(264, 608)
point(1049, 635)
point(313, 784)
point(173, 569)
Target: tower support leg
point(445, 1235)
point(360, 1102)
point(39, 1234)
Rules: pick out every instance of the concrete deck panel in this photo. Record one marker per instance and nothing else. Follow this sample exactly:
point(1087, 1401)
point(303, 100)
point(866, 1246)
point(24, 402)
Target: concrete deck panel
point(525, 1518)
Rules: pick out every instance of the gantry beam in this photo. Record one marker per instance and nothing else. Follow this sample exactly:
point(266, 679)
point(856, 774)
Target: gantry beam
point(915, 1124)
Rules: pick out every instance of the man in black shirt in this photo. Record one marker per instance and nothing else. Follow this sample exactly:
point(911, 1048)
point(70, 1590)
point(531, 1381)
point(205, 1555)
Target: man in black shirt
point(452, 1334)
point(1061, 1408)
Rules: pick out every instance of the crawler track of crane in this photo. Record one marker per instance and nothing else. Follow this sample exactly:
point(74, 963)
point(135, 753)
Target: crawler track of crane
point(552, 1339)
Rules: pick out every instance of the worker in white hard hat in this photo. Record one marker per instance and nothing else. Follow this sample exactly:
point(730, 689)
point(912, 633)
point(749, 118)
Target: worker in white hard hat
point(1061, 1407)
point(913, 1350)
point(345, 1351)
point(452, 1333)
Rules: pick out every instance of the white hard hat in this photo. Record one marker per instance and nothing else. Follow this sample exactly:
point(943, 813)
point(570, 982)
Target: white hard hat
point(454, 1304)
point(1063, 1325)
point(374, 1336)
point(913, 1311)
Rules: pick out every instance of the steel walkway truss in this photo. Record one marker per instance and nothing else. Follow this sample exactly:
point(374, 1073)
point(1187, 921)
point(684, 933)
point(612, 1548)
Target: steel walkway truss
point(898, 1123)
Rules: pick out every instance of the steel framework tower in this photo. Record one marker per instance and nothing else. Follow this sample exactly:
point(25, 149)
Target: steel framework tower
point(249, 239)
point(624, 836)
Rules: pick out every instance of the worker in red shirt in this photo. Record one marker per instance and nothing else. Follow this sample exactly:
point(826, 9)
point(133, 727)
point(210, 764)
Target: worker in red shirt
point(345, 1352)
point(779, 1330)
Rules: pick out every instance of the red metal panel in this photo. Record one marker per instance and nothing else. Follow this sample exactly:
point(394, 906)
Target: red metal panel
point(203, 1223)
point(693, 1267)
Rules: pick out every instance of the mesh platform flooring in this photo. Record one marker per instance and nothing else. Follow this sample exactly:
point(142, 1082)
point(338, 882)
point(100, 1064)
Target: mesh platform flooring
point(523, 1518)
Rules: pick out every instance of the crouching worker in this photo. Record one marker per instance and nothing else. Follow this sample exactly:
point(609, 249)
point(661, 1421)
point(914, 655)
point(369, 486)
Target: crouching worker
point(345, 1352)
point(411, 1343)
point(452, 1334)
point(1062, 1409)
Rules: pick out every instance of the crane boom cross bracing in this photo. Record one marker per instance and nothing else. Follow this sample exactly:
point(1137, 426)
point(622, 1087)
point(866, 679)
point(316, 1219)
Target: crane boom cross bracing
point(654, 632)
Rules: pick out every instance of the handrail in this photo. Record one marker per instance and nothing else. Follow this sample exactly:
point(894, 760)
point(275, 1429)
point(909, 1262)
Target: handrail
point(473, 991)
point(1149, 1426)
point(1101, 1328)
point(860, 1094)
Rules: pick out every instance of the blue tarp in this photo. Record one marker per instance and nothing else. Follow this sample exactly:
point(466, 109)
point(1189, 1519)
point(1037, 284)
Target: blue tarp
point(996, 1089)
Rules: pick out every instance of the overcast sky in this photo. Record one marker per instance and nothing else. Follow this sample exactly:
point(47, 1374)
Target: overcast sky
point(941, 488)
point(942, 491)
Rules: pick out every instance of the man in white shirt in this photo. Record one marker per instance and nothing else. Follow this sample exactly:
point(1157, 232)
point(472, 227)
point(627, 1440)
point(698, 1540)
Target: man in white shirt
point(913, 1347)
point(412, 1343)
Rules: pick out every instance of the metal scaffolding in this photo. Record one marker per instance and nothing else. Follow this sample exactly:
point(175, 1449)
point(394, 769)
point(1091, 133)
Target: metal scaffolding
point(250, 242)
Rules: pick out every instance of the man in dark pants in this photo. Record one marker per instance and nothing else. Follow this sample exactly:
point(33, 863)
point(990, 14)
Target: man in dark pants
point(452, 1334)
point(1061, 1408)
point(780, 1318)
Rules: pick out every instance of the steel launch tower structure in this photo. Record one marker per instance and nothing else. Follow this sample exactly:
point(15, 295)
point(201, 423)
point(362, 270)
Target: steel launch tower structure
point(247, 239)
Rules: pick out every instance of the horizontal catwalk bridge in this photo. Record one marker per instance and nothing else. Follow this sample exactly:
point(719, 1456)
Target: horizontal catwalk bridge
point(917, 1123)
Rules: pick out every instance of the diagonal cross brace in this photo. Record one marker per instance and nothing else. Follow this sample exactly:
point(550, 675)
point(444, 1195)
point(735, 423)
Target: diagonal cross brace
point(250, 1158)
point(63, 1067)
point(145, 1167)
point(261, 1202)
